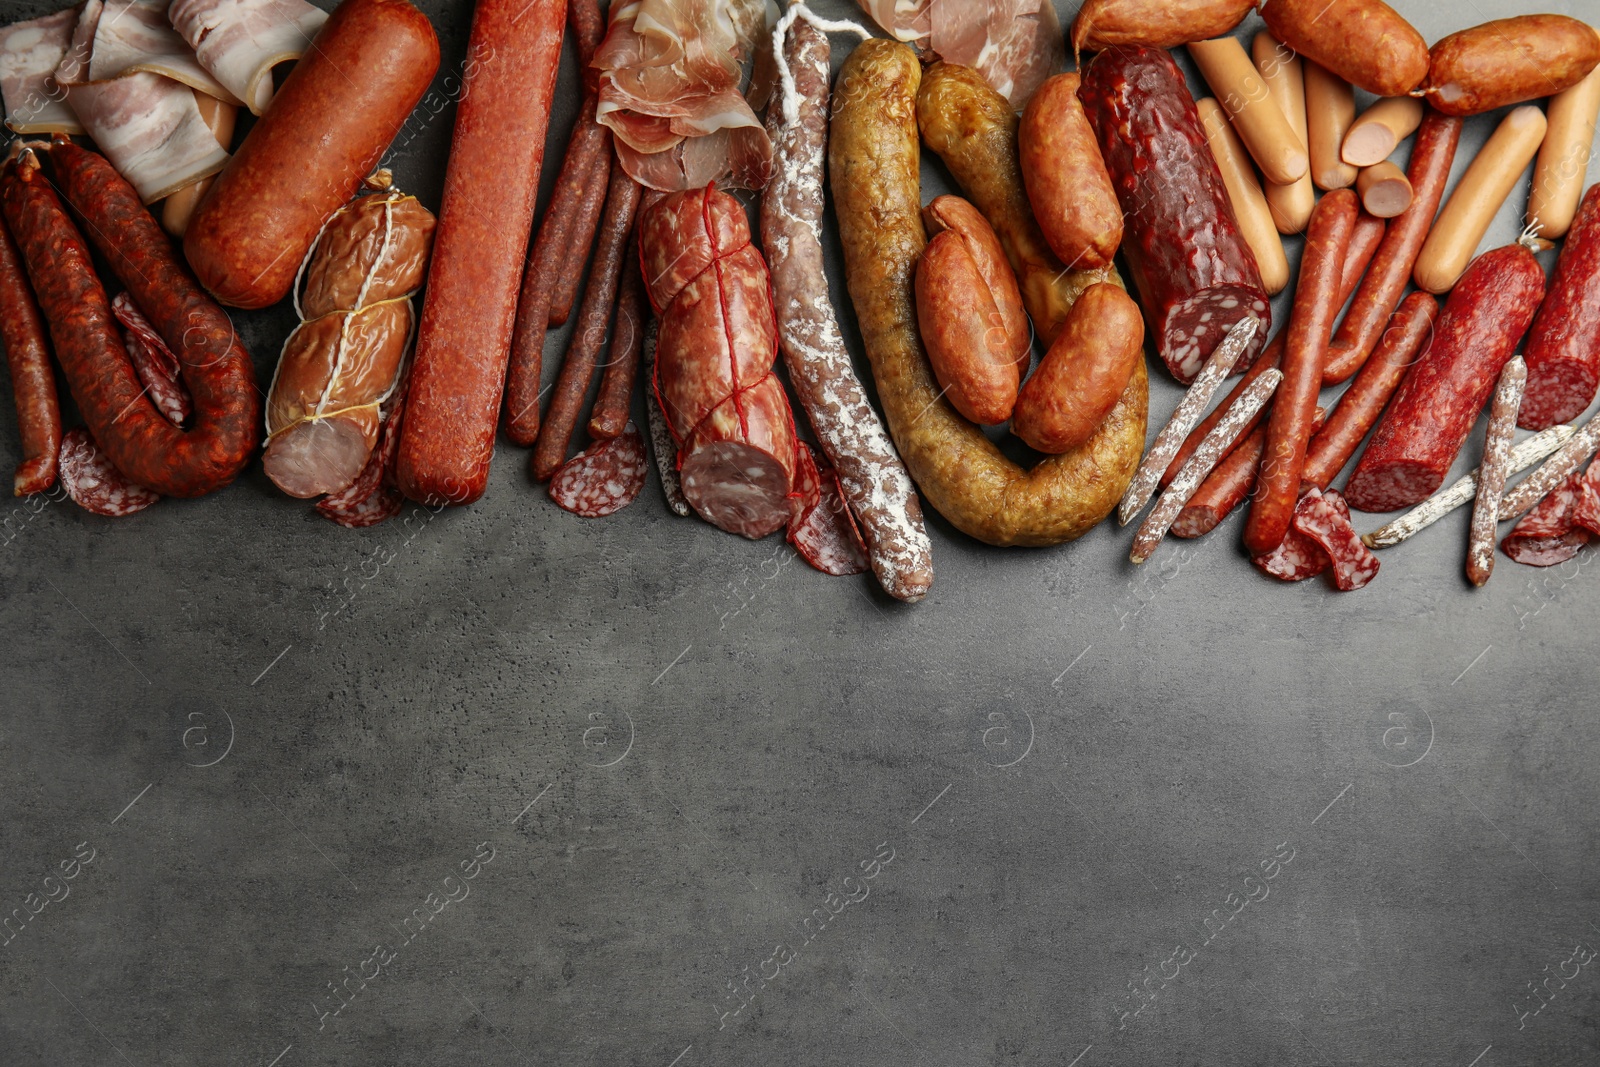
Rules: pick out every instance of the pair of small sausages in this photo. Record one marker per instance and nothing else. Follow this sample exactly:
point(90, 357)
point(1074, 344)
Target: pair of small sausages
point(1284, 73)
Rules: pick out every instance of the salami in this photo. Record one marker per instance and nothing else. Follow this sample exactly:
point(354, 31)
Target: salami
point(372, 498)
point(825, 534)
point(1563, 350)
point(1435, 408)
point(1323, 517)
point(93, 483)
point(1296, 558)
point(1194, 271)
point(1492, 473)
point(1569, 458)
point(714, 355)
point(153, 361)
point(33, 385)
point(604, 478)
point(1548, 535)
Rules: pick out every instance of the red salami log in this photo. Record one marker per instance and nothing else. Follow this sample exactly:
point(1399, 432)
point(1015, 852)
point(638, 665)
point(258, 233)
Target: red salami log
point(459, 370)
point(1430, 417)
point(714, 354)
point(1563, 351)
point(33, 384)
point(137, 438)
point(1194, 271)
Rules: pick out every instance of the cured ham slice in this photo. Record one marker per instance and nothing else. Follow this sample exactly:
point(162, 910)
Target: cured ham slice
point(1015, 44)
point(29, 54)
point(669, 81)
point(240, 41)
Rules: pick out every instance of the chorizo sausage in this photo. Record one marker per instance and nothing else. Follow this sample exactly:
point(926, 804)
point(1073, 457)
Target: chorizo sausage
point(1310, 329)
point(1436, 406)
point(1194, 271)
point(1066, 179)
point(33, 383)
point(974, 130)
point(874, 168)
point(1507, 61)
point(138, 439)
point(328, 124)
point(1086, 370)
point(1493, 470)
point(1564, 157)
point(1154, 23)
point(1365, 42)
point(490, 184)
point(1563, 350)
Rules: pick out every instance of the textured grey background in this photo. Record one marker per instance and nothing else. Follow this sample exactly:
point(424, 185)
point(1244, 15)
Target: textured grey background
point(678, 744)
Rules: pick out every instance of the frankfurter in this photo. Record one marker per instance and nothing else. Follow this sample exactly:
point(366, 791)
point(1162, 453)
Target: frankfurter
point(1154, 23)
point(1284, 74)
point(33, 383)
point(1260, 124)
point(1378, 131)
point(1365, 42)
point(1384, 189)
point(1066, 179)
point(1507, 61)
point(178, 208)
point(1244, 193)
point(874, 167)
point(1084, 374)
point(1478, 195)
point(1558, 176)
point(341, 105)
point(1330, 109)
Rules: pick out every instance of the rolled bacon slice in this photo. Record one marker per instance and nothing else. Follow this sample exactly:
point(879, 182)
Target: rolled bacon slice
point(240, 41)
point(1015, 44)
point(30, 52)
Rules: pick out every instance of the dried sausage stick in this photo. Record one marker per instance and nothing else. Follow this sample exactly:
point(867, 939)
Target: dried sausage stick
point(1187, 413)
point(33, 384)
point(662, 445)
point(1442, 503)
point(583, 351)
point(874, 480)
point(1429, 171)
point(1310, 328)
point(490, 185)
point(588, 27)
point(1532, 489)
point(614, 403)
point(1227, 486)
point(1492, 473)
point(1202, 463)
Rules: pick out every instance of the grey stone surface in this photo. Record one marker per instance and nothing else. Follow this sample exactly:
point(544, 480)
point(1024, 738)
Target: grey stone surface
point(278, 738)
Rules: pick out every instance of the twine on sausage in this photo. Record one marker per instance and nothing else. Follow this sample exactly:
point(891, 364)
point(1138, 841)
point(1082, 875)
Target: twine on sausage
point(790, 101)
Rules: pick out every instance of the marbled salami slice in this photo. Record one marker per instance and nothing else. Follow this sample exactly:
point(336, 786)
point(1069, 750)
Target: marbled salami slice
point(93, 483)
point(825, 533)
point(1296, 559)
point(1547, 535)
point(153, 361)
point(372, 498)
point(1323, 516)
point(604, 478)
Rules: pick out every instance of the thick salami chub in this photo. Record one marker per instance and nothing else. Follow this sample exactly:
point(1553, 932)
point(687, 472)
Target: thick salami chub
point(1563, 351)
point(1413, 447)
point(1193, 269)
point(714, 356)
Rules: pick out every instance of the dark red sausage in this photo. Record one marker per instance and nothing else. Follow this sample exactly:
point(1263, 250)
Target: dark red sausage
point(1294, 406)
point(1563, 351)
point(1194, 272)
point(1403, 343)
point(458, 374)
point(1228, 485)
point(1431, 155)
point(33, 384)
point(139, 440)
point(1435, 409)
point(328, 125)
point(614, 403)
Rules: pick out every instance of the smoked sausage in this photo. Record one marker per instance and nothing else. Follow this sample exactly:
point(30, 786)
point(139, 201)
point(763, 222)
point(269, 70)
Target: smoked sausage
point(1563, 351)
point(341, 105)
point(1194, 271)
point(874, 166)
point(33, 383)
point(1507, 61)
point(138, 439)
point(1365, 42)
point(1154, 23)
point(1066, 179)
point(1284, 74)
point(1435, 409)
point(1086, 370)
point(464, 341)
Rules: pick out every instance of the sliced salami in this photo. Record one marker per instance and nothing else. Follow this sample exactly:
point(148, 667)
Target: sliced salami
point(825, 533)
point(153, 361)
point(1296, 559)
point(806, 492)
point(604, 478)
point(1547, 535)
point(372, 498)
point(93, 483)
point(1323, 516)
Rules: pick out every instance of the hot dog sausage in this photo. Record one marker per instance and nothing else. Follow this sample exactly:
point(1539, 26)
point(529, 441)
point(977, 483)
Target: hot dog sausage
point(1085, 372)
point(1380, 292)
point(1563, 350)
point(1193, 269)
point(1067, 183)
point(1283, 72)
point(1507, 61)
point(874, 167)
point(1330, 109)
point(1430, 417)
point(1477, 196)
point(459, 370)
point(1564, 157)
point(1154, 23)
point(1261, 125)
point(139, 440)
point(1244, 193)
point(1310, 329)
point(1384, 189)
point(328, 124)
point(1365, 42)
point(974, 130)
point(1379, 130)
point(33, 384)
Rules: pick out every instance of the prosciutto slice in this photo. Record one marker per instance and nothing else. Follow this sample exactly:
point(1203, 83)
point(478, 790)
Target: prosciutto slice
point(134, 36)
point(29, 54)
point(670, 72)
point(240, 41)
point(1014, 44)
